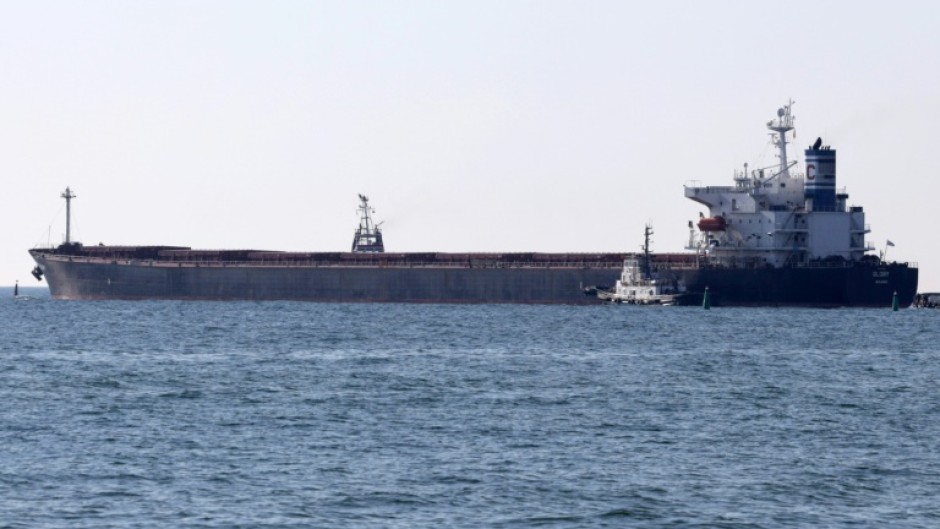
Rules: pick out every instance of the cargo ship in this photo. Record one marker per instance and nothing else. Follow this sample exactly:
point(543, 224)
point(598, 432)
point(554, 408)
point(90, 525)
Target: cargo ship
point(774, 238)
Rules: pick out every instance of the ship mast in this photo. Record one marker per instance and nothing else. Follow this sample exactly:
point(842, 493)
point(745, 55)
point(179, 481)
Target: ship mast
point(647, 267)
point(368, 236)
point(782, 125)
point(68, 196)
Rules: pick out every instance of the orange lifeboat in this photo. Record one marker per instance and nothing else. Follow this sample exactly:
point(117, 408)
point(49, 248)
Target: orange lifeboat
point(712, 224)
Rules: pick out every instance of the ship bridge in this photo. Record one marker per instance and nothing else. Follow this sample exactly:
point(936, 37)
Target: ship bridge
point(774, 217)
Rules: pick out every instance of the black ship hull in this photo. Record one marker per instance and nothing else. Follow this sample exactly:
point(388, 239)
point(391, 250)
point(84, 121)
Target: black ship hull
point(845, 285)
point(167, 273)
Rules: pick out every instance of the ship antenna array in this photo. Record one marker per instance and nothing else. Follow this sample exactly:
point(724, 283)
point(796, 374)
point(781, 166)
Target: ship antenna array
point(365, 217)
point(68, 196)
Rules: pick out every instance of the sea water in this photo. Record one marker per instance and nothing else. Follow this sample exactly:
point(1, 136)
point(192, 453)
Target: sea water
point(250, 414)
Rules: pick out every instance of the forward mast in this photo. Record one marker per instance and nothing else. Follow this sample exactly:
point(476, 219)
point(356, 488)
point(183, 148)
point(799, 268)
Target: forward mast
point(68, 196)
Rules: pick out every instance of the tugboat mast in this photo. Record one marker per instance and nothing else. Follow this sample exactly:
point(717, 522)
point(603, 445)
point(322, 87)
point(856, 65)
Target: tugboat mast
point(68, 196)
point(368, 238)
point(647, 266)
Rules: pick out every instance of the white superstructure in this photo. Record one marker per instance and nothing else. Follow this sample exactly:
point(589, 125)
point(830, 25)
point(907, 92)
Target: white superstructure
point(775, 217)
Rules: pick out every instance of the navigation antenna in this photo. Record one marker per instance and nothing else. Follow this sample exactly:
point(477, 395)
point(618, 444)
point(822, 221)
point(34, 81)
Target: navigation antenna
point(782, 125)
point(368, 237)
point(68, 196)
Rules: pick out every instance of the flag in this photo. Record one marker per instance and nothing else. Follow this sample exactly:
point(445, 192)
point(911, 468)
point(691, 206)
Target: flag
point(890, 243)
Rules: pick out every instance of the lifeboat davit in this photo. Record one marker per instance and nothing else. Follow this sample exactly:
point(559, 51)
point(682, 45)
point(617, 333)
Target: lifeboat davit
point(712, 224)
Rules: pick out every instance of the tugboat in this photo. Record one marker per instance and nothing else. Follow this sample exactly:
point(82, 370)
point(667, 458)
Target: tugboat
point(636, 285)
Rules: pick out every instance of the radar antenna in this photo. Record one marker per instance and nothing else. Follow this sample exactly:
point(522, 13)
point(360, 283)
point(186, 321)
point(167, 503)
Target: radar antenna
point(368, 237)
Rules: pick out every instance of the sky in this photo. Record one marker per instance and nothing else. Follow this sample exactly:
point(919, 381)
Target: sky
point(472, 126)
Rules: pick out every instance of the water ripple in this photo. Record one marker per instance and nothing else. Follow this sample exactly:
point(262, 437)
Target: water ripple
point(160, 414)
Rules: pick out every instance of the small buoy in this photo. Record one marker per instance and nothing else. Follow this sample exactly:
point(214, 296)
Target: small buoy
point(894, 301)
point(707, 300)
